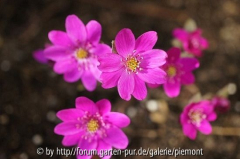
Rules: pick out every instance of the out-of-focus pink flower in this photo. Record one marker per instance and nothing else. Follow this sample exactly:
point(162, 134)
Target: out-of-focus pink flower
point(196, 116)
point(179, 71)
point(193, 42)
point(221, 104)
point(134, 64)
point(39, 56)
point(92, 126)
point(75, 52)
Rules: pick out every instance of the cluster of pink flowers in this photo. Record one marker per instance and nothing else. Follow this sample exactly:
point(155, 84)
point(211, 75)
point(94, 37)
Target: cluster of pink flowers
point(195, 116)
point(179, 69)
point(79, 55)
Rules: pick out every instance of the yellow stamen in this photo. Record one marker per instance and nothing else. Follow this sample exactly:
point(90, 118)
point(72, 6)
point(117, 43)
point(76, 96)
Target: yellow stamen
point(196, 116)
point(92, 125)
point(171, 71)
point(81, 54)
point(132, 64)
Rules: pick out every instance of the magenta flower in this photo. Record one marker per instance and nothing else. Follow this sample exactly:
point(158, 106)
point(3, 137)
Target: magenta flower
point(75, 52)
point(221, 104)
point(134, 64)
point(192, 42)
point(179, 71)
point(92, 126)
point(196, 116)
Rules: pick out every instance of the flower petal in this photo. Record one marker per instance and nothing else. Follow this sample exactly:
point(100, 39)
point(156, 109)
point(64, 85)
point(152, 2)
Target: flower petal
point(39, 56)
point(89, 81)
point(110, 62)
point(187, 78)
point(76, 30)
point(189, 64)
point(63, 66)
point(104, 106)
point(118, 119)
point(116, 138)
point(195, 51)
point(183, 118)
point(206, 106)
point(67, 128)
point(204, 43)
point(140, 90)
point(87, 146)
point(56, 53)
point(153, 85)
point(72, 140)
point(60, 38)
point(110, 79)
point(153, 76)
point(73, 75)
point(125, 42)
point(100, 49)
point(70, 114)
point(153, 58)
point(173, 54)
point(126, 85)
point(96, 72)
point(190, 131)
point(146, 41)
point(180, 34)
point(172, 89)
point(86, 104)
point(205, 127)
point(212, 116)
point(94, 31)
point(103, 148)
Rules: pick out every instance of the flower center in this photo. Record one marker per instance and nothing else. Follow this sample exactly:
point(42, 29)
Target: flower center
point(196, 117)
point(194, 43)
point(171, 71)
point(81, 54)
point(132, 63)
point(92, 125)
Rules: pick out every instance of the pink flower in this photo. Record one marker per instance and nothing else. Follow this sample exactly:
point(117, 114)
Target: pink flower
point(196, 116)
point(92, 126)
point(75, 52)
point(134, 64)
point(179, 71)
point(192, 42)
point(221, 104)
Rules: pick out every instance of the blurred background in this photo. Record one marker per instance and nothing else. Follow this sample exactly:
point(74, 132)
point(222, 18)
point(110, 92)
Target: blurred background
point(31, 93)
